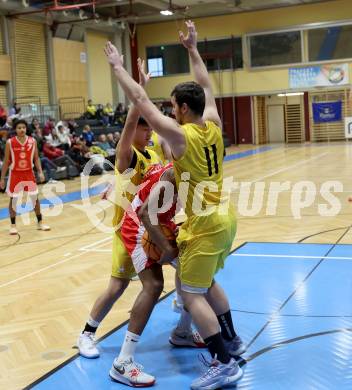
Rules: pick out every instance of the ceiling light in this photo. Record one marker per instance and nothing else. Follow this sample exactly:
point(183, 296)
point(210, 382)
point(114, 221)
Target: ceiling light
point(291, 94)
point(25, 3)
point(166, 12)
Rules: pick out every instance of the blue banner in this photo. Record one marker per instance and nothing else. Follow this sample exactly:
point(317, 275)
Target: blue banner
point(327, 112)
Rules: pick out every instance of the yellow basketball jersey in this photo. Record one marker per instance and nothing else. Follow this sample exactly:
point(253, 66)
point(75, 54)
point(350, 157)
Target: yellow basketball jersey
point(154, 145)
point(199, 173)
point(126, 183)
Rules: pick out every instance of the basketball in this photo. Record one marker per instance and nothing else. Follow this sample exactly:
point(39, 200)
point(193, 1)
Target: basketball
point(151, 249)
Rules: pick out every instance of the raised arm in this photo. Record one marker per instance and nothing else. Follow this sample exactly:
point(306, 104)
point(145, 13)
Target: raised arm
point(163, 125)
point(124, 151)
point(201, 74)
point(5, 165)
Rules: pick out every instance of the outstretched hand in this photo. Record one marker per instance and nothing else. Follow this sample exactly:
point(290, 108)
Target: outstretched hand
point(113, 55)
point(143, 76)
point(190, 41)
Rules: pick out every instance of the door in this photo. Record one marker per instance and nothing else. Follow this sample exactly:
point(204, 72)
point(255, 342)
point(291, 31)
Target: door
point(276, 123)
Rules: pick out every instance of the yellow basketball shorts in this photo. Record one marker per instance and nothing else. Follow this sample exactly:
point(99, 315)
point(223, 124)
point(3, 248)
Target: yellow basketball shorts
point(122, 266)
point(204, 243)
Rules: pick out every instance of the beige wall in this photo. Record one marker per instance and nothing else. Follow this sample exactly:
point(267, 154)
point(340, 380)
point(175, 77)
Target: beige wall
point(99, 73)
point(70, 72)
point(244, 81)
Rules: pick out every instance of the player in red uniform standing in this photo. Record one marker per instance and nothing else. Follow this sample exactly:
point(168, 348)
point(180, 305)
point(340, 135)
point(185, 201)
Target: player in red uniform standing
point(20, 154)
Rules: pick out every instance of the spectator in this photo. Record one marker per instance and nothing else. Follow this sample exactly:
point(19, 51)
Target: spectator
point(72, 125)
point(49, 167)
point(104, 144)
point(3, 115)
point(49, 126)
point(88, 135)
point(53, 139)
point(109, 113)
point(117, 137)
point(91, 110)
point(57, 156)
point(15, 110)
point(79, 151)
point(120, 114)
point(110, 139)
point(101, 116)
point(64, 138)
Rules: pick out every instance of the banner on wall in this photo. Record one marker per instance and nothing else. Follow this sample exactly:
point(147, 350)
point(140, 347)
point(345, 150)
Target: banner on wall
point(319, 76)
point(327, 112)
point(348, 127)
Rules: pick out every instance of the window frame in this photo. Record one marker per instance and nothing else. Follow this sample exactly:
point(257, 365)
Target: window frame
point(304, 28)
point(243, 51)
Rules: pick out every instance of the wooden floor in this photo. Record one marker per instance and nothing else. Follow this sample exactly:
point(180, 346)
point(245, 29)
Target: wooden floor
point(49, 280)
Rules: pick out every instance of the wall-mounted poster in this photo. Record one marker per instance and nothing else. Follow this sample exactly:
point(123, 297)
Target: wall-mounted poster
point(319, 76)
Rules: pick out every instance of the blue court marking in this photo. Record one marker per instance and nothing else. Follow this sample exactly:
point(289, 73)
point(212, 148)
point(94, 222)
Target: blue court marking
point(302, 352)
point(247, 153)
point(76, 195)
point(66, 198)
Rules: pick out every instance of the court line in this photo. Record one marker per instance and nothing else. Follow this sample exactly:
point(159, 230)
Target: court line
point(80, 254)
point(291, 256)
point(276, 312)
point(41, 270)
point(86, 247)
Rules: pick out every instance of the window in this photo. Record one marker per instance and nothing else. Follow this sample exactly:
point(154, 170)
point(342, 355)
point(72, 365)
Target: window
point(222, 53)
point(275, 49)
point(330, 43)
point(167, 60)
point(155, 66)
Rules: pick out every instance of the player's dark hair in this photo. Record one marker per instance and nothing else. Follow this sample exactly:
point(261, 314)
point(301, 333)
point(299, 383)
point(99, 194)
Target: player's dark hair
point(142, 121)
point(19, 122)
point(192, 94)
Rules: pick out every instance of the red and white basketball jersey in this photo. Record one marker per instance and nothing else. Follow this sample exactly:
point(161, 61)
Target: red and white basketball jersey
point(151, 178)
point(21, 155)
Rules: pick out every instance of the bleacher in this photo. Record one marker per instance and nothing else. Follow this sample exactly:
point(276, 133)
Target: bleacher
point(96, 127)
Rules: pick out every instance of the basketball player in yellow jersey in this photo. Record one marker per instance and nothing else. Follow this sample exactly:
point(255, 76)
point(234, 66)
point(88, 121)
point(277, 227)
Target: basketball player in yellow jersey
point(131, 154)
point(205, 238)
point(160, 147)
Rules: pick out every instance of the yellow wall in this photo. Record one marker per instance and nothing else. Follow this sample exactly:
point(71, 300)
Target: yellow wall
point(245, 81)
point(70, 72)
point(100, 80)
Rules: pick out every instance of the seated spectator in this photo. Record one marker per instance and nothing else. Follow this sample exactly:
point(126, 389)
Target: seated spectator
point(49, 126)
point(117, 137)
point(120, 114)
point(53, 139)
point(72, 125)
point(3, 115)
point(101, 116)
point(79, 151)
point(104, 144)
point(91, 110)
point(88, 135)
point(49, 167)
point(35, 124)
point(109, 113)
point(59, 158)
point(111, 140)
point(15, 110)
point(63, 137)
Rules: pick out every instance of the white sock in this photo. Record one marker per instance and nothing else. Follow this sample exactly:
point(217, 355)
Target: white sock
point(179, 299)
point(185, 321)
point(129, 346)
point(92, 322)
